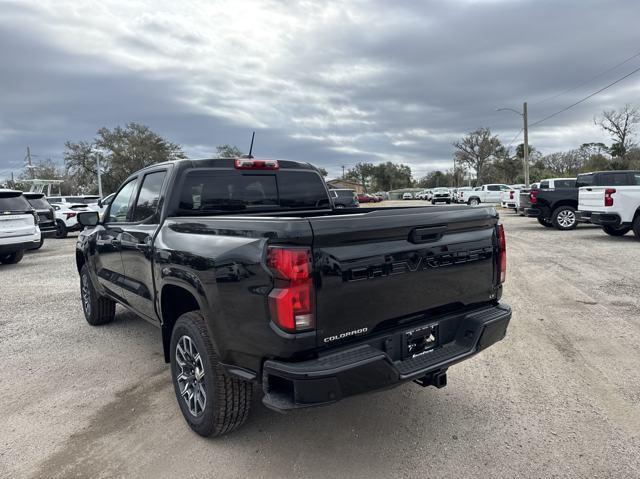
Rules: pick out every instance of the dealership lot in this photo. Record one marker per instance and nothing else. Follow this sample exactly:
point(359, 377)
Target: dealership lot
point(560, 396)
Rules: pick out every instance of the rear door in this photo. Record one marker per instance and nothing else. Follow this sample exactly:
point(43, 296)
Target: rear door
point(391, 265)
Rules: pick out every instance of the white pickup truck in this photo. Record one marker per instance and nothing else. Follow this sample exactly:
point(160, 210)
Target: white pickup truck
point(616, 207)
point(486, 194)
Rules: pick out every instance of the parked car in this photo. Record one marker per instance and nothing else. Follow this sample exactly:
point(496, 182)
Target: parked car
point(74, 200)
point(256, 281)
point(18, 226)
point(462, 194)
point(46, 216)
point(67, 218)
point(344, 198)
point(616, 206)
point(557, 206)
point(441, 195)
point(491, 194)
point(365, 198)
point(407, 196)
point(374, 198)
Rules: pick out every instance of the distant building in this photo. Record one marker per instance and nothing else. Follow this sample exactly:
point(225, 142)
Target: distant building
point(339, 184)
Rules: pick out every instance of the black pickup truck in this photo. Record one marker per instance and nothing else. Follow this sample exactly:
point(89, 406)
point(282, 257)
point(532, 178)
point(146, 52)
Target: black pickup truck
point(553, 203)
point(255, 279)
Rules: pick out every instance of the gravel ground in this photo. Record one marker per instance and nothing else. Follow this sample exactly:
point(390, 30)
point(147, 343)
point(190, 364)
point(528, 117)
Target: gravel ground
point(559, 397)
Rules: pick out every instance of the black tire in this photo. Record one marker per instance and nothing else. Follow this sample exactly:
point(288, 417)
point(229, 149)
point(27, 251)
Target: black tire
point(61, 229)
point(564, 218)
point(12, 258)
point(544, 222)
point(616, 230)
point(636, 226)
point(227, 399)
point(39, 244)
point(433, 202)
point(515, 210)
point(97, 309)
point(473, 202)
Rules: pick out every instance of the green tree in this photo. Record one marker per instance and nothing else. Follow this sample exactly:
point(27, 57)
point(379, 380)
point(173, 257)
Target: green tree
point(121, 151)
point(361, 173)
point(322, 171)
point(228, 151)
point(477, 149)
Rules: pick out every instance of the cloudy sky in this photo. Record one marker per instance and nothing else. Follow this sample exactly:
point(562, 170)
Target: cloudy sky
point(328, 82)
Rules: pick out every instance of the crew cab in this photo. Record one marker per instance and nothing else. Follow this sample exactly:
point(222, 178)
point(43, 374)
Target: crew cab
point(615, 207)
point(46, 216)
point(18, 226)
point(554, 203)
point(491, 194)
point(257, 281)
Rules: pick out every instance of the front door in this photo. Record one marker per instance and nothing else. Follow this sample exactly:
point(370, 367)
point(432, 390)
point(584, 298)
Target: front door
point(108, 258)
point(137, 245)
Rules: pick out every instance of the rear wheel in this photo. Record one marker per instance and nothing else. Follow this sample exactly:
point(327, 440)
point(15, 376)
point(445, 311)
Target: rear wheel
point(474, 202)
point(544, 222)
point(616, 230)
point(212, 402)
point(636, 226)
point(12, 258)
point(564, 218)
point(97, 309)
point(61, 229)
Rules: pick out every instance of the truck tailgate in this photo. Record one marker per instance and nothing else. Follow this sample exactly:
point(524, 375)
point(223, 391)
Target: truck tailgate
point(591, 198)
point(380, 268)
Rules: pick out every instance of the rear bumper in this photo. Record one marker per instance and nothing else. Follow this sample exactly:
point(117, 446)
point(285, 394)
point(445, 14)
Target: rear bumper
point(533, 212)
point(18, 246)
point(370, 365)
point(602, 219)
point(509, 204)
point(47, 230)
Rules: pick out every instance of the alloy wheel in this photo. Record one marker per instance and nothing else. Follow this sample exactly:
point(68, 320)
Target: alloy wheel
point(191, 376)
point(86, 294)
point(566, 218)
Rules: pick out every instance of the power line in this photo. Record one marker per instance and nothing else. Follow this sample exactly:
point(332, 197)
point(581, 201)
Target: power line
point(585, 98)
point(515, 138)
point(589, 80)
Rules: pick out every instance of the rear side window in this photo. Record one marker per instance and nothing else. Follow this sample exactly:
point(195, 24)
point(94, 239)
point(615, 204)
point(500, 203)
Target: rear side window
point(493, 187)
point(612, 179)
point(584, 180)
point(149, 197)
point(12, 202)
point(544, 184)
point(217, 191)
point(346, 194)
point(565, 183)
point(636, 178)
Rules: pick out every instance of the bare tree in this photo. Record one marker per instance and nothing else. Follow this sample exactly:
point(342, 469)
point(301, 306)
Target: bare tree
point(564, 162)
point(621, 126)
point(477, 149)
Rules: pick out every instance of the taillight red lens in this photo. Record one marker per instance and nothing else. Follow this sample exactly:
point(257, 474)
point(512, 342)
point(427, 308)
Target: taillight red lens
point(249, 164)
point(291, 302)
point(502, 253)
point(511, 194)
point(70, 215)
point(608, 199)
point(534, 196)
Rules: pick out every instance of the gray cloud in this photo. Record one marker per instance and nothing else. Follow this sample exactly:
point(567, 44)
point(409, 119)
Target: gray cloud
point(332, 83)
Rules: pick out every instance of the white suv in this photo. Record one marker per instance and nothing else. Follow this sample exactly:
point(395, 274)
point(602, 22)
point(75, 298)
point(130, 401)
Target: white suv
point(18, 226)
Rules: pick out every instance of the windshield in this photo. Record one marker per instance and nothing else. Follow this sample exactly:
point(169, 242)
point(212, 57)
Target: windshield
point(39, 203)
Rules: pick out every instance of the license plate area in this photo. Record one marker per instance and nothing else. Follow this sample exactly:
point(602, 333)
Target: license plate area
point(419, 341)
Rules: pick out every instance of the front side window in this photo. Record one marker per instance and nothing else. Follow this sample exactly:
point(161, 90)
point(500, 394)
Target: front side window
point(493, 187)
point(119, 210)
point(565, 183)
point(544, 184)
point(149, 197)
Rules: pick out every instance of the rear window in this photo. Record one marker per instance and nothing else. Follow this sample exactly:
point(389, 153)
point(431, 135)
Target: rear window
point(12, 202)
point(345, 193)
point(74, 199)
point(565, 183)
point(584, 180)
point(39, 203)
point(544, 184)
point(215, 191)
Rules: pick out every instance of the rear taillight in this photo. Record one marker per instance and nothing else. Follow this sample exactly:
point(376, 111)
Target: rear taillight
point(533, 196)
point(249, 164)
point(511, 194)
point(291, 302)
point(70, 215)
point(608, 199)
point(502, 253)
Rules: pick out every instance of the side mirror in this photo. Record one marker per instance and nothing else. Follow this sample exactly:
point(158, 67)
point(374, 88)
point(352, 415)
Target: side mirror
point(88, 218)
point(100, 202)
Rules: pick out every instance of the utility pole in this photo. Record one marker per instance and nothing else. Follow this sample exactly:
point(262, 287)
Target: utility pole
point(29, 162)
point(526, 145)
point(100, 180)
point(343, 172)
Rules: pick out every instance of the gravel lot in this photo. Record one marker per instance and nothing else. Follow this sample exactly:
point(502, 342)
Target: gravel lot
point(559, 397)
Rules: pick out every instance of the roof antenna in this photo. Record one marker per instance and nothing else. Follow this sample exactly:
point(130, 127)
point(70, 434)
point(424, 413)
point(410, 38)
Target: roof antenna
point(253, 135)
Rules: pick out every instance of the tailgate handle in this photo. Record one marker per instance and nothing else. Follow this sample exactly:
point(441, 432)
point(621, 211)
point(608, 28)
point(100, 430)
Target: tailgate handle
point(427, 235)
